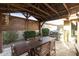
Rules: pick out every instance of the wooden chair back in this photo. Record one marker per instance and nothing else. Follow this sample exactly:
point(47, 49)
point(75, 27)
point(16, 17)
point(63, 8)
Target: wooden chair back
point(18, 49)
point(44, 49)
point(52, 48)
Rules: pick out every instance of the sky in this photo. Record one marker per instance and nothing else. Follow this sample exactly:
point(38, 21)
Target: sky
point(57, 22)
point(21, 15)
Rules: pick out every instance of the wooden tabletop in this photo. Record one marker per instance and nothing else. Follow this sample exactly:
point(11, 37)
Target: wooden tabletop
point(35, 43)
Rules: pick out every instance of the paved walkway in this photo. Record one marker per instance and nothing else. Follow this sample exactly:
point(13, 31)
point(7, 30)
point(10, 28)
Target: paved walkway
point(63, 49)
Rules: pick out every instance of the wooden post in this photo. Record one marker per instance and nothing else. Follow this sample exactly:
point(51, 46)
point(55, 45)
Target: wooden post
point(1, 41)
point(26, 21)
point(39, 28)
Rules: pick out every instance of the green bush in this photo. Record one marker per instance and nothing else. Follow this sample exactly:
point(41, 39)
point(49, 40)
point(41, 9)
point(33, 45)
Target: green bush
point(29, 34)
point(9, 37)
point(45, 31)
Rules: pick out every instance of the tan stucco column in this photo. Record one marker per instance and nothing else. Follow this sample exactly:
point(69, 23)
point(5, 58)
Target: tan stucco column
point(67, 31)
point(77, 32)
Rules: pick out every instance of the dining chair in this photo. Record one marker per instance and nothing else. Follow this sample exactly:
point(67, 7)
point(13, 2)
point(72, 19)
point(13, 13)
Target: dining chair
point(52, 48)
point(19, 49)
point(43, 50)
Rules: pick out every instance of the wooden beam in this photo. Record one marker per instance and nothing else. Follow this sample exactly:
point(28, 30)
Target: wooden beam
point(74, 7)
point(31, 12)
point(39, 28)
point(39, 9)
point(52, 9)
point(43, 23)
point(26, 15)
point(66, 8)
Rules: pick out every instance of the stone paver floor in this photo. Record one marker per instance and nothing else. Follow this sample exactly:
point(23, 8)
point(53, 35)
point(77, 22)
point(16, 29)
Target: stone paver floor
point(6, 52)
point(65, 50)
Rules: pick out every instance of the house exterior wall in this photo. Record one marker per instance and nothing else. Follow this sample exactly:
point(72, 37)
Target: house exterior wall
point(16, 23)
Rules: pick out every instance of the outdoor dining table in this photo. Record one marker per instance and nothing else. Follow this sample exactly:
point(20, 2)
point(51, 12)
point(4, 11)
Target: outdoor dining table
point(38, 42)
point(30, 45)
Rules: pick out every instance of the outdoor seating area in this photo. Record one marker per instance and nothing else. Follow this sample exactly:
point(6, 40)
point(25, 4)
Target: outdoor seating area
point(34, 47)
point(27, 29)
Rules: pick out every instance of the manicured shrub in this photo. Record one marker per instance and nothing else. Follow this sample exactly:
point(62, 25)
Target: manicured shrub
point(45, 31)
point(29, 34)
point(9, 37)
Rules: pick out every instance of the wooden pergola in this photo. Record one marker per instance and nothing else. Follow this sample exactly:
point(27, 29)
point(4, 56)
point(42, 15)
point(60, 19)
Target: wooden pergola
point(41, 11)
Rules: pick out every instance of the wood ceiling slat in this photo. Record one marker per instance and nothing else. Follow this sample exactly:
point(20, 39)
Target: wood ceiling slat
point(67, 9)
point(52, 9)
point(39, 9)
point(17, 6)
